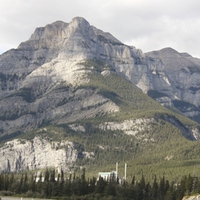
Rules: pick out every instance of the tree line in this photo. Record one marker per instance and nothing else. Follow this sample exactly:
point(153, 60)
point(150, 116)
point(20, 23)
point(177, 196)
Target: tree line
point(52, 185)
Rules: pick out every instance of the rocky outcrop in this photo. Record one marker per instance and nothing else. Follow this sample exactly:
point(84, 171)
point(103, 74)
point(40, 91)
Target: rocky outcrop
point(129, 127)
point(46, 80)
point(141, 125)
point(38, 153)
point(197, 197)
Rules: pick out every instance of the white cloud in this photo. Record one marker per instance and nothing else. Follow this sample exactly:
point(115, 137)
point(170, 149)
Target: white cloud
point(148, 25)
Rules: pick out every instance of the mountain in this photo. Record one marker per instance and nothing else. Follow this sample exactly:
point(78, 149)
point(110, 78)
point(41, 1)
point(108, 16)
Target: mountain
point(180, 82)
point(73, 92)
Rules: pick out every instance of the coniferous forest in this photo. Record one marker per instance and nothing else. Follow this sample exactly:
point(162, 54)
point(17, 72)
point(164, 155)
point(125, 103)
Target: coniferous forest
point(79, 187)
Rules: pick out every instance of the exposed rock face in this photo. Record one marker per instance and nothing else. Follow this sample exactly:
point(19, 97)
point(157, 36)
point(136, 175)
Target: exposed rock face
point(38, 79)
point(181, 74)
point(52, 58)
point(42, 82)
point(135, 126)
point(129, 127)
point(197, 197)
point(37, 154)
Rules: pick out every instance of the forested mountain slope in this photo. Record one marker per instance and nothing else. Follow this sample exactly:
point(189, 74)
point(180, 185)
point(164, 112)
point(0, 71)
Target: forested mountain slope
point(73, 95)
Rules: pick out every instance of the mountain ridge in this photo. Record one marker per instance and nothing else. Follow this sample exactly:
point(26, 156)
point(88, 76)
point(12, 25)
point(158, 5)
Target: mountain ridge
point(76, 83)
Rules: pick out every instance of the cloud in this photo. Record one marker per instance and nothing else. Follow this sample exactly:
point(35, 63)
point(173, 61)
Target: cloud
point(148, 25)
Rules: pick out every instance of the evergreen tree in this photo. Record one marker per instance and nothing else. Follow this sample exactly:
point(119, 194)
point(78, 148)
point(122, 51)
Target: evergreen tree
point(188, 185)
point(46, 177)
point(161, 188)
point(101, 184)
point(1, 182)
point(181, 189)
point(25, 183)
point(32, 184)
point(133, 181)
point(52, 176)
point(68, 186)
point(155, 189)
point(11, 181)
point(83, 184)
point(20, 185)
point(92, 186)
point(169, 194)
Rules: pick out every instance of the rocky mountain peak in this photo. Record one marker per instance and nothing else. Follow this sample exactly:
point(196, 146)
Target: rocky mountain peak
point(62, 54)
point(60, 29)
point(56, 34)
point(165, 52)
point(79, 22)
point(49, 31)
point(69, 73)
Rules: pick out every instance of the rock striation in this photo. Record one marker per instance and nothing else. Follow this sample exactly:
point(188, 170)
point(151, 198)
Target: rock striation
point(31, 74)
point(38, 153)
point(38, 79)
point(41, 82)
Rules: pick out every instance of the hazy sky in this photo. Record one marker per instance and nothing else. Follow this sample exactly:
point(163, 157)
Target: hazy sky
point(146, 24)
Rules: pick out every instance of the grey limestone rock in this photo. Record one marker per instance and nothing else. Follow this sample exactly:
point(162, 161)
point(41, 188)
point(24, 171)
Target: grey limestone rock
point(38, 153)
point(38, 79)
point(40, 82)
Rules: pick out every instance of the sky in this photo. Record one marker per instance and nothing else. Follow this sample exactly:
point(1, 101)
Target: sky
point(146, 24)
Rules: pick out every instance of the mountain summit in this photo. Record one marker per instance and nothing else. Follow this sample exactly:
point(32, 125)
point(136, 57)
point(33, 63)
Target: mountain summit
point(72, 80)
point(55, 57)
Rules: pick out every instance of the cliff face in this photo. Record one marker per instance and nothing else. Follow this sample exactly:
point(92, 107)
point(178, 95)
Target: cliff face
point(180, 73)
point(33, 76)
point(38, 153)
point(40, 79)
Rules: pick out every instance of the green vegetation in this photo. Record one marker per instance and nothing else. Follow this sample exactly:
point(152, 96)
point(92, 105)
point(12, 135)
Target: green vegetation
point(97, 65)
point(132, 101)
point(154, 94)
point(157, 149)
point(153, 151)
point(70, 186)
point(184, 105)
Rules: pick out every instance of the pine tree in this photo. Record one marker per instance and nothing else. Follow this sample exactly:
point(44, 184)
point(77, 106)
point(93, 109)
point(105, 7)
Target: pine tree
point(169, 194)
point(188, 185)
point(101, 184)
point(20, 186)
point(52, 176)
point(25, 183)
point(133, 180)
point(92, 186)
point(83, 184)
point(1, 182)
point(162, 188)
point(11, 181)
point(32, 183)
point(68, 186)
point(155, 188)
point(46, 177)
point(181, 189)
